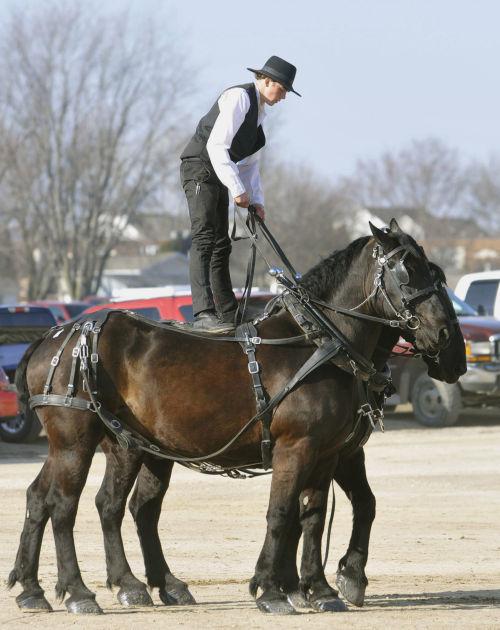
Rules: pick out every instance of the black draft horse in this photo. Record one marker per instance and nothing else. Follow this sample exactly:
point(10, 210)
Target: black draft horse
point(153, 477)
point(191, 396)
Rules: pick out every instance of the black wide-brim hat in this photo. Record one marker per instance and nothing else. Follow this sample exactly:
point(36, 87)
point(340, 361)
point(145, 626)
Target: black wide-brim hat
point(279, 70)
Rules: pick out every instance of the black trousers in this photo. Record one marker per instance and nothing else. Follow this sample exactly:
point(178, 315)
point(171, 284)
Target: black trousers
point(208, 203)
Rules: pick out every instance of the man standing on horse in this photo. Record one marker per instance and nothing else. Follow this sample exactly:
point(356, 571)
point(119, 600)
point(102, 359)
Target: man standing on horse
point(220, 159)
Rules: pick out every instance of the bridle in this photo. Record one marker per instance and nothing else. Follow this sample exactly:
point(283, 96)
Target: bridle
point(396, 272)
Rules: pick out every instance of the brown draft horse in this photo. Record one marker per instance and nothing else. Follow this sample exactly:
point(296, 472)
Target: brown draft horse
point(190, 396)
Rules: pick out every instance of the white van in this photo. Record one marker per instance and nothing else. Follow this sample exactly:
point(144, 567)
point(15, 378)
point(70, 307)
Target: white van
point(481, 291)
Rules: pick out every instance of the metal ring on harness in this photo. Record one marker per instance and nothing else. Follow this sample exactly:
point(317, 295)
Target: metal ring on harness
point(415, 319)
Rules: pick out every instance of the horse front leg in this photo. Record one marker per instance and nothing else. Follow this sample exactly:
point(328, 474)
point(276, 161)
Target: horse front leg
point(351, 476)
point(122, 467)
point(26, 566)
point(289, 575)
point(291, 468)
point(145, 505)
point(313, 505)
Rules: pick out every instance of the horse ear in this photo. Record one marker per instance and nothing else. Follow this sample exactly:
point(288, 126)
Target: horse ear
point(383, 238)
point(394, 227)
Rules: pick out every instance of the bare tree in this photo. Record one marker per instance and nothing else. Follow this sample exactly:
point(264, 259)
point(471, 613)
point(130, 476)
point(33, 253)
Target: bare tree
point(426, 175)
point(483, 200)
point(90, 113)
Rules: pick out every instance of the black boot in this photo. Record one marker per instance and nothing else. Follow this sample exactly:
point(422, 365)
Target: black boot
point(207, 321)
point(229, 317)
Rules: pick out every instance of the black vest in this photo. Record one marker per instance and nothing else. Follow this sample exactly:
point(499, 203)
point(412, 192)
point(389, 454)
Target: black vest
point(248, 139)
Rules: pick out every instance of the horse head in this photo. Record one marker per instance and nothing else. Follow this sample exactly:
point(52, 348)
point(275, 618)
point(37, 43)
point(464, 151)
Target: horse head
point(412, 288)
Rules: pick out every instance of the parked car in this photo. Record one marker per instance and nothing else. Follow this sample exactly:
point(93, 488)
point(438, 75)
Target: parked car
point(20, 325)
point(8, 399)
point(178, 306)
point(439, 404)
point(63, 311)
point(14, 427)
point(482, 291)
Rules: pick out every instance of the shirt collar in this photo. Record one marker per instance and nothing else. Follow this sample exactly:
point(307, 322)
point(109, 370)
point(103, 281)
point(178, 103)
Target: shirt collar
point(260, 103)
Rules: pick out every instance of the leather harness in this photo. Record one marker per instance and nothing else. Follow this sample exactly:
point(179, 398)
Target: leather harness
point(85, 359)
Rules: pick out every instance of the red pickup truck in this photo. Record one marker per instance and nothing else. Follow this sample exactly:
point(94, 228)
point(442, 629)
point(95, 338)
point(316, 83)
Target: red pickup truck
point(178, 306)
point(438, 404)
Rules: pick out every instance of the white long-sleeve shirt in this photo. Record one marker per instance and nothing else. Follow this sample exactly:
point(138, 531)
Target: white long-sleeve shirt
point(242, 176)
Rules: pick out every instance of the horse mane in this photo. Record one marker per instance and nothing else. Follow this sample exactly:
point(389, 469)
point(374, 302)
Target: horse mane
point(331, 272)
point(437, 272)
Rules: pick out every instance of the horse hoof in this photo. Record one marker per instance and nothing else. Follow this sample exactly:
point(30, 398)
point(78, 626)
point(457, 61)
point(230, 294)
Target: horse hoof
point(324, 604)
point(275, 606)
point(177, 597)
point(353, 590)
point(83, 607)
point(33, 602)
point(298, 601)
point(139, 597)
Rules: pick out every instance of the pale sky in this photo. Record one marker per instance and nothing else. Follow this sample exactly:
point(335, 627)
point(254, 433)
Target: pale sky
point(374, 74)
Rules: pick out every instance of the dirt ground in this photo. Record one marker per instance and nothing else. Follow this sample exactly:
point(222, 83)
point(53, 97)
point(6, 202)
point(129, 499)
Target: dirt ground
point(435, 549)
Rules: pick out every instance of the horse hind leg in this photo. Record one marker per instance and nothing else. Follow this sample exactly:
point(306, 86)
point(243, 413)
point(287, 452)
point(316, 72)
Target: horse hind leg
point(25, 569)
point(351, 577)
point(122, 468)
point(145, 506)
point(73, 438)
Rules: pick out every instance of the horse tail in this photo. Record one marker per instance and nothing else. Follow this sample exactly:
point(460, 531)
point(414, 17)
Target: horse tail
point(21, 380)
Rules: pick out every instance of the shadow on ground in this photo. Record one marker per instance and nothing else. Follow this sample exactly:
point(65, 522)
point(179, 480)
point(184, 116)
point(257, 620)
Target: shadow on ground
point(23, 453)
point(403, 418)
point(449, 599)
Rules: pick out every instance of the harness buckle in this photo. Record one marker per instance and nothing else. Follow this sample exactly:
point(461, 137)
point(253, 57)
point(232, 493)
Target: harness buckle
point(256, 340)
point(75, 352)
point(374, 415)
point(253, 367)
point(87, 328)
point(94, 357)
point(394, 323)
point(54, 361)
